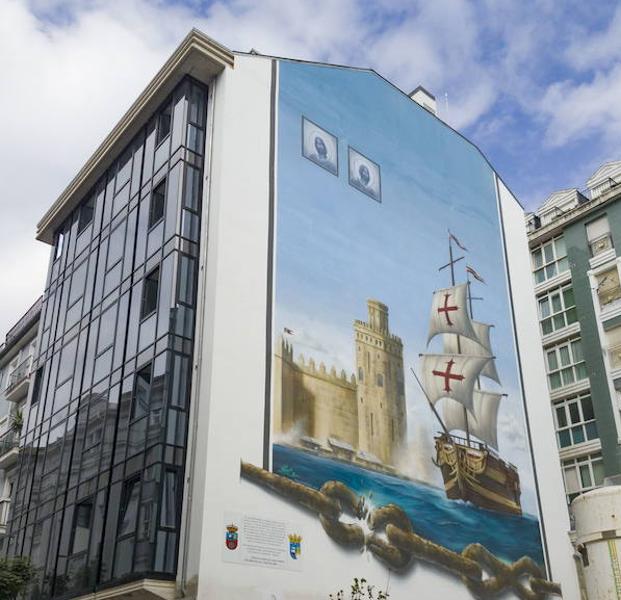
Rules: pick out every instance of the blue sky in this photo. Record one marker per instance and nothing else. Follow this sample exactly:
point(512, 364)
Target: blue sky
point(336, 247)
point(536, 84)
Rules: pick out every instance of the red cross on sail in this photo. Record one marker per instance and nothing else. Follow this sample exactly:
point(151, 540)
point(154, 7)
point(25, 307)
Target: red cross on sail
point(451, 376)
point(481, 347)
point(449, 313)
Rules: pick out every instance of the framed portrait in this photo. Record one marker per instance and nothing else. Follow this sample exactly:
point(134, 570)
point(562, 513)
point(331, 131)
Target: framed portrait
point(364, 175)
point(320, 146)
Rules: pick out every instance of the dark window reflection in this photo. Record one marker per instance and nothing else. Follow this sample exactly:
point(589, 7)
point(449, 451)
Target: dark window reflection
point(158, 201)
point(150, 292)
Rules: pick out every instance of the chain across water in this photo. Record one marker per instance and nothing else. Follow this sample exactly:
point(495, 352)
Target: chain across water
point(392, 539)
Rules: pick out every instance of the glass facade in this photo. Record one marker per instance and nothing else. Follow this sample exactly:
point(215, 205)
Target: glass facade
point(99, 492)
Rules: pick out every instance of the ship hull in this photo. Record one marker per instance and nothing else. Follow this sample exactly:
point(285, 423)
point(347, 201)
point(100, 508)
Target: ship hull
point(472, 473)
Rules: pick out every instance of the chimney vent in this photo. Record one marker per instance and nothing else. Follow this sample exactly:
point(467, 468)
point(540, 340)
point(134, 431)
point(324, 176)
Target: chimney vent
point(426, 99)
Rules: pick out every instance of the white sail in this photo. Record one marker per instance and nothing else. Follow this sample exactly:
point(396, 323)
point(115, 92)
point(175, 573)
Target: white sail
point(479, 347)
point(449, 313)
point(482, 420)
point(451, 376)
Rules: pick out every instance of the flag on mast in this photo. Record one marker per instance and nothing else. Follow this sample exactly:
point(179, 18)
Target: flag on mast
point(472, 272)
point(454, 238)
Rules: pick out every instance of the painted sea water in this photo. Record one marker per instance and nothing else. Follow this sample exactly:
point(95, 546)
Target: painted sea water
point(453, 524)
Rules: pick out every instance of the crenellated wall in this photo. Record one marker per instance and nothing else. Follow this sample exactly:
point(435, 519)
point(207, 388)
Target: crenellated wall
point(310, 400)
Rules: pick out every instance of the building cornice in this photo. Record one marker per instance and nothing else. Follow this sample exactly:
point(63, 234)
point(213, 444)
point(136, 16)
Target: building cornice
point(544, 233)
point(197, 55)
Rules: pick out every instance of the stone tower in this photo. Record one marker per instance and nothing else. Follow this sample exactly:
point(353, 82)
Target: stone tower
point(380, 390)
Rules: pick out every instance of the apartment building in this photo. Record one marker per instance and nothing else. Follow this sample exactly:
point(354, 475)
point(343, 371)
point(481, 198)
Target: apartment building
point(16, 359)
point(574, 237)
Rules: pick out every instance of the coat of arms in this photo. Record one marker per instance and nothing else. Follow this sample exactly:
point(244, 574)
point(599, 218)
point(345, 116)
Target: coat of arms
point(231, 536)
point(295, 545)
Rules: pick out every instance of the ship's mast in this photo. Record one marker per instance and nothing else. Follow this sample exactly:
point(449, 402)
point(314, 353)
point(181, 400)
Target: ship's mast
point(451, 265)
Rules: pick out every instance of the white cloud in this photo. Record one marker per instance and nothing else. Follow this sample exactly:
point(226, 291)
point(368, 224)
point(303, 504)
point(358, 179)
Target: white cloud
point(597, 50)
point(576, 111)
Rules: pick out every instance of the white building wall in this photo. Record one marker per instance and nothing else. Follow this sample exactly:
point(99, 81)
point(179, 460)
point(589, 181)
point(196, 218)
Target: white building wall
point(229, 392)
point(551, 490)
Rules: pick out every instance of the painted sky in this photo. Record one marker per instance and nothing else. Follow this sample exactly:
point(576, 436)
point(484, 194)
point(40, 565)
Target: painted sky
point(536, 84)
point(336, 247)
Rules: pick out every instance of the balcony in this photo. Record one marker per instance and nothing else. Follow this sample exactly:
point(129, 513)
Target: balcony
point(17, 387)
point(9, 449)
point(5, 504)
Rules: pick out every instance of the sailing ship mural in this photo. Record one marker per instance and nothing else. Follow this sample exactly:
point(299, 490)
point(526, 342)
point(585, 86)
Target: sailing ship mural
point(471, 467)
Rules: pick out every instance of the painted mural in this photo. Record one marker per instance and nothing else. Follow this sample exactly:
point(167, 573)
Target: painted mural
point(396, 398)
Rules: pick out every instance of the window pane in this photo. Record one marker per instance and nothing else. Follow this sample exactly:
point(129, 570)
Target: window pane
point(169, 500)
point(546, 326)
point(564, 439)
point(568, 297)
point(563, 265)
point(550, 270)
point(576, 350)
point(559, 321)
point(577, 434)
point(163, 124)
point(556, 303)
point(581, 371)
point(587, 408)
point(561, 416)
point(82, 527)
point(150, 292)
point(548, 252)
point(537, 258)
point(140, 406)
point(129, 507)
point(574, 412)
point(552, 361)
point(571, 479)
point(158, 201)
point(571, 315)
point(564, 356)
point(86, 213)
point(568, 376)
point(591, 430)
point(540, 276)
point(585, 476)
point(598, 472)
point(555, 380)
point(544, 308)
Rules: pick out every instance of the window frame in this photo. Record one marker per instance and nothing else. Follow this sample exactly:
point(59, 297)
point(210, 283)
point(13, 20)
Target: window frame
point(560, 368)
point(148, 278)
point(545, 264)
point(580, 461)
point(563, 312)
point(154, 222)
point(89, 202)
point(570, 426)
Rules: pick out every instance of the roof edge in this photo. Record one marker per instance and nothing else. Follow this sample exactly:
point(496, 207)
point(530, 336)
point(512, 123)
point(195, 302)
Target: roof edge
point(178, 64)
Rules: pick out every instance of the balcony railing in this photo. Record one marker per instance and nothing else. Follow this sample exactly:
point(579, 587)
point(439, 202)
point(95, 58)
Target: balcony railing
point(19, 374)
point(604, 186)
point(5, 505)
point(8, 441)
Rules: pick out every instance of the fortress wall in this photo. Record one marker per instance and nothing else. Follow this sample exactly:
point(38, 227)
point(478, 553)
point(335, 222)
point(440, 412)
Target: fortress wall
point(312, 401)
point(332, 406)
